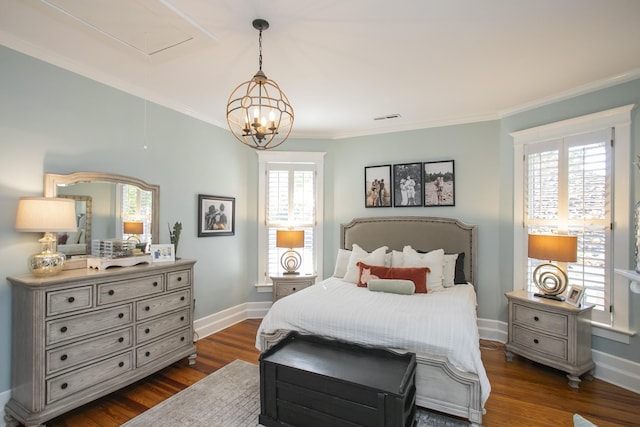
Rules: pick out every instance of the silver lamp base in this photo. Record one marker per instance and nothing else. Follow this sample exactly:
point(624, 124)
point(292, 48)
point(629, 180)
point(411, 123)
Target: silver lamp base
point(47, 262)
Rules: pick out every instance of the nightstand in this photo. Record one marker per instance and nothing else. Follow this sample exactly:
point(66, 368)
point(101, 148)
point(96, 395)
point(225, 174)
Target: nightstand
point(553, 333)
point(286, 285)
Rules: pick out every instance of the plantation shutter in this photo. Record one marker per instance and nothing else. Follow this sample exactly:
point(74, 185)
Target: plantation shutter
point(568, 190)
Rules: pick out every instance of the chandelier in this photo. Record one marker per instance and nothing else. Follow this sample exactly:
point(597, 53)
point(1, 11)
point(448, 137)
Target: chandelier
point(258, 112)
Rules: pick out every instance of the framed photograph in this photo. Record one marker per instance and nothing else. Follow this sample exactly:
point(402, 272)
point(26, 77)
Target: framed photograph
point(575, 294)
point(216, 216)
point(407, 185)
point(439, 184)
point(377, 186)
point(163, 253)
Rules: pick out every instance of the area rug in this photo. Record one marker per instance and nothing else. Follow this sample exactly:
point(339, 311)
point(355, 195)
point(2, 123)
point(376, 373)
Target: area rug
point(230, 397)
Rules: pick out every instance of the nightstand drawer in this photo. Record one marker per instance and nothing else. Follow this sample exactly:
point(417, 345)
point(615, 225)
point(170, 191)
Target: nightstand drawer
point(285, 289)
point(541, 343)
point(556, 324)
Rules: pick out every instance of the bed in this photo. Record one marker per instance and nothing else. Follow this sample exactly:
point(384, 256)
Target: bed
point(450, 377)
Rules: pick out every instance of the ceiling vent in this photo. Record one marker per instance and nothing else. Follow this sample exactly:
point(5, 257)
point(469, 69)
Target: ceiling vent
point(387, 117)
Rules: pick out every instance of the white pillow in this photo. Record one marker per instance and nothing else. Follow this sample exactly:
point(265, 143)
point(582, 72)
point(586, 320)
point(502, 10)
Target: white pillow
point(434, 260)
point(449, 270)
point(396, 259)
point(360, 255)
point(342, 261)
point(74, 237)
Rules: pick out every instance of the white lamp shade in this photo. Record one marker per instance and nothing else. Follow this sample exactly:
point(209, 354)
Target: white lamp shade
point(46, 214)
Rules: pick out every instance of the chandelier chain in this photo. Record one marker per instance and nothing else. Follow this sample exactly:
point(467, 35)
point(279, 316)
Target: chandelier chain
point(260, 50)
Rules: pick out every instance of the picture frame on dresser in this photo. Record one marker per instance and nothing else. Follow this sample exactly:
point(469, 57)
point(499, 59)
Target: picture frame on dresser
point(163, 253)
point(574, 295)
point(216, 216)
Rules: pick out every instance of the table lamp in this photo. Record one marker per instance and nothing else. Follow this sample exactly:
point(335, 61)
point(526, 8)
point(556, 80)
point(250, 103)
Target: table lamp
point(134, 229)
point(549, 278)
point(290, 260)
point(47, 215)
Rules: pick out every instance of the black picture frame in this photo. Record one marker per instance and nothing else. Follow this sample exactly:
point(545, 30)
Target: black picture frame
point(439, 183)
point(407, 185)
point(216, 216)
point(377, 179)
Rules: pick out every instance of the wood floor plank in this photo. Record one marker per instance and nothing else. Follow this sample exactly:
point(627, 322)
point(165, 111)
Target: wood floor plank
point(523, 393)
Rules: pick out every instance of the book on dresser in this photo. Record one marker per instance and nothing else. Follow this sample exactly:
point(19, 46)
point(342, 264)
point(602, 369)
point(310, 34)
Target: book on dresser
point(84, 333)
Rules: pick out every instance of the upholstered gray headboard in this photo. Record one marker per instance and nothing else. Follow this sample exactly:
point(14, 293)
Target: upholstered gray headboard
point(423, 233)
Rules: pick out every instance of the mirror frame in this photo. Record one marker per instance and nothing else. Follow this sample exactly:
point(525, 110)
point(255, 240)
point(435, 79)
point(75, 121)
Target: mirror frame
point(51, 180)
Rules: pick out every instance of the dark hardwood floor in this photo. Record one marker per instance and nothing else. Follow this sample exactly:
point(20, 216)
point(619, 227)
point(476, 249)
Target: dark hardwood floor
point(523, 393)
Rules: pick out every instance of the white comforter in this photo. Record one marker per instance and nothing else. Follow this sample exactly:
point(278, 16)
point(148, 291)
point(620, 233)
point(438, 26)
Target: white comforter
point(441, 323)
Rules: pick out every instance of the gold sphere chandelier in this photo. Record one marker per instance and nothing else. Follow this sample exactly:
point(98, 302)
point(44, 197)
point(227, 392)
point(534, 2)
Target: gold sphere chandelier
point(258, 112)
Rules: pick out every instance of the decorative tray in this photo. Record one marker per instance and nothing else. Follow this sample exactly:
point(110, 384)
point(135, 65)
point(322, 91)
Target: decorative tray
point(104, 263)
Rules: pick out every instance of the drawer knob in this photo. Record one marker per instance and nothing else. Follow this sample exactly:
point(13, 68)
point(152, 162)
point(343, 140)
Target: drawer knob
point(64, 386)
point(121, 339)
point(155, 284)
point(146, 331)
point(147, 308)
point(121, 364)
point(181, 338)
point(536, 318)
point(63, 357)
point(71, 299)
point(181, 298)
point(182, 318)
point(535, 340)
point(111, 292)
point(179, 279)
point(120, 315)
point(147, 354)
point(63, 329)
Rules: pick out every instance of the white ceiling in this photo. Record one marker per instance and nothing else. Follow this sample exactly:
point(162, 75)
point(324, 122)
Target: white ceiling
point(341, 62)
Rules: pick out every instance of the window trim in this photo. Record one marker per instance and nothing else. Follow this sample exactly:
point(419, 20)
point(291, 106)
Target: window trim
point(619, 119)
point(264, 158)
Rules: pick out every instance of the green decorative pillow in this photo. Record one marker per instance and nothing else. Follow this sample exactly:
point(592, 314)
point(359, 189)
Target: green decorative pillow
point(394, 286)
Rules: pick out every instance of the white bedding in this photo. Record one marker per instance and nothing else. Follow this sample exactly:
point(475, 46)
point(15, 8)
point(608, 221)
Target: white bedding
point(440, 323)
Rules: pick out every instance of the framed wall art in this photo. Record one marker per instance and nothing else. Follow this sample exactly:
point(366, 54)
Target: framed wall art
point(377, 186)
point(407, 185)
point(216, 216)
point(439, 183)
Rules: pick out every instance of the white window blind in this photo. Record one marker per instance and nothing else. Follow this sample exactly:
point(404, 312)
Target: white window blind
point(290, 205)
point(568, 190)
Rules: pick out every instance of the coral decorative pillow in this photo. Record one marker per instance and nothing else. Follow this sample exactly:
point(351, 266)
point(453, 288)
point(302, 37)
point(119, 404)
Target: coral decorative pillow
point(417, 275)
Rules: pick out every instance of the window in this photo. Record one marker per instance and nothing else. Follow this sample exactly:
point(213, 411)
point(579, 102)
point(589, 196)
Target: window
point(135, 205)
point(573, 177)
point(290, 197)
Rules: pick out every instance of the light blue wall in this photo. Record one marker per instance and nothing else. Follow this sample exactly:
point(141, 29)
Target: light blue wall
point(54, 121)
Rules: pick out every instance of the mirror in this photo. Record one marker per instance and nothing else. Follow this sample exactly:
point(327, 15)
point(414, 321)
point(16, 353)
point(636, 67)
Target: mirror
point(102, 198)
point(78, 242)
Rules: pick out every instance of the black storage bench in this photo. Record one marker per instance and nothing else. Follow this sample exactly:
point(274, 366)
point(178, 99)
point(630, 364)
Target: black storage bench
point(308, 381)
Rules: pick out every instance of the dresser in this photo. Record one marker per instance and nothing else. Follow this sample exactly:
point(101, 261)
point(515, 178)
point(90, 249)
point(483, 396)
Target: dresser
point(553, 333)
point(286, 285)
point(84, 333)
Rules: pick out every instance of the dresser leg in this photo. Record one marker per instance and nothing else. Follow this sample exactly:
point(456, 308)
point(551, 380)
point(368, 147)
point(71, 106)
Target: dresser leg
point(192, 359)
point(10, 421)
point(589, 375)
point(508, 355)
point(574, 381)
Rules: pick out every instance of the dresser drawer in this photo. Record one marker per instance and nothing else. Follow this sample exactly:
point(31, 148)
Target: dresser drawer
point(155, 350)
point(121, 291)
point(154, 306)
point(68, 300)
point(84, 324)
point(284, 289)
point(84, 351)
point(541, 343)
point(556, 324)
point(155, 328)
point(178, 279)
point(74, 382)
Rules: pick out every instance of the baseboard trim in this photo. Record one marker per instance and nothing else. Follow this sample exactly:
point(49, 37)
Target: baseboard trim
point(612, 369)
